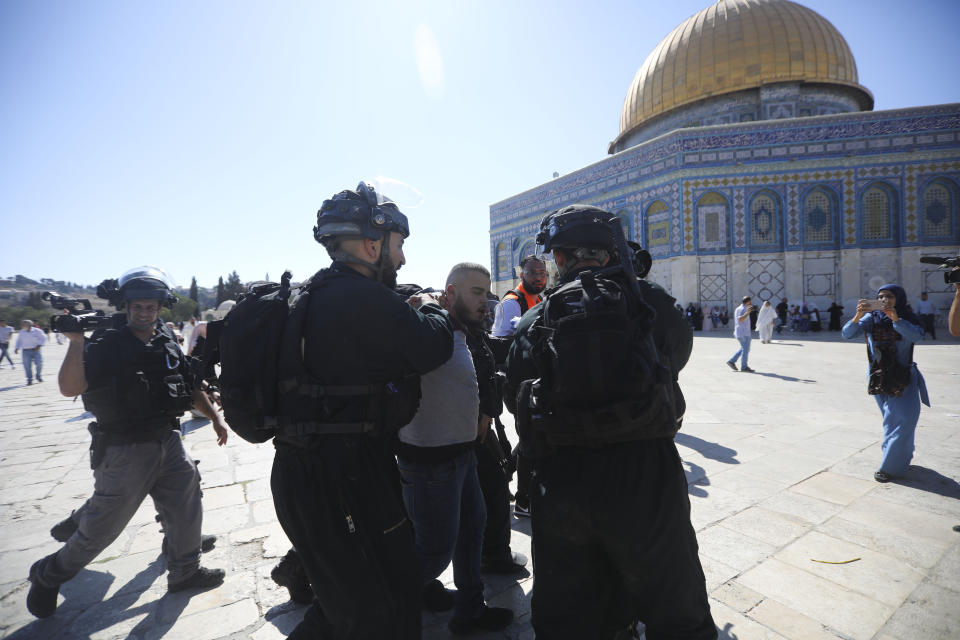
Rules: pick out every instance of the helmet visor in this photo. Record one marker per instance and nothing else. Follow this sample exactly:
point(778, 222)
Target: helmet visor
point(145, 282)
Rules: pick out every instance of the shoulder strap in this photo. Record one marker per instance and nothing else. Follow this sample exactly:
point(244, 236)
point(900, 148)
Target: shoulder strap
point(520, 298)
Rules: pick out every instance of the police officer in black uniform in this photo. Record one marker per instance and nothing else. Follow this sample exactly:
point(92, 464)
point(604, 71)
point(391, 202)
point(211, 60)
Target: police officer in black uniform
point(335, 483)
point(137, 383)
point(612, 538)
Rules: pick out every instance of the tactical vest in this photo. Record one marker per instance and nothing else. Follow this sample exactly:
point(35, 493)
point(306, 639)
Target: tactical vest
point(602, 380)
point(150, 387)
point(304, 402)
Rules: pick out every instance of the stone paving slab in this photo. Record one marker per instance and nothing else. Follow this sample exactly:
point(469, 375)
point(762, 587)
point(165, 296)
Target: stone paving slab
point(780, 468)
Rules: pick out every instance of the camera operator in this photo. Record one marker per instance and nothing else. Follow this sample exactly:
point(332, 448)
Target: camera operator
point(136, 382)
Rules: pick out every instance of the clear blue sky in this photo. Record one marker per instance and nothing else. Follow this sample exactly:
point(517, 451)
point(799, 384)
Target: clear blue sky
point(203, 136)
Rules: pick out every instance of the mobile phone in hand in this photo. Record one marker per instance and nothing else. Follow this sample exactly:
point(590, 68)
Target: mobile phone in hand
point(875, 305)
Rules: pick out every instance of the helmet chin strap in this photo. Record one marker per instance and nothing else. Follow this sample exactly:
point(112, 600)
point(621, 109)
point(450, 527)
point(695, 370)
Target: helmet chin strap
point(376, 267)
point(384, 255)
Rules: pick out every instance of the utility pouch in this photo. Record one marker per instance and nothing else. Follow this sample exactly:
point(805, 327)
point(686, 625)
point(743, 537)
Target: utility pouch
point(97, 445)
point(179, 394)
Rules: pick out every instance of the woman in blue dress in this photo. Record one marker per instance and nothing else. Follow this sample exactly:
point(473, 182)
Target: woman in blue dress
point(893, 378)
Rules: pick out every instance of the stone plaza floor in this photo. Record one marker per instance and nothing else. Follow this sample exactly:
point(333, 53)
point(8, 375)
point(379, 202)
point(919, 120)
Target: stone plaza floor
point(780, 464)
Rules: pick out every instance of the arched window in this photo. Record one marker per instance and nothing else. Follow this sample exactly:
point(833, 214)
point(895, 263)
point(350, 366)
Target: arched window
point(765, 219)
point(658, 224)
point(877, 206)
point(527, 249)
point(712, 211)
point(503, 261)
point(938, 210)
point(818, 213)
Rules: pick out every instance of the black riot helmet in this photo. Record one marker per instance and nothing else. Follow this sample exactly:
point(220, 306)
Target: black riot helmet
point(578, 226)
point(145, 283)
point(361, 213)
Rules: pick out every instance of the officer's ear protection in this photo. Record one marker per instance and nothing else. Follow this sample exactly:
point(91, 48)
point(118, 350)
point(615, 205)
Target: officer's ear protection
point(642, 261)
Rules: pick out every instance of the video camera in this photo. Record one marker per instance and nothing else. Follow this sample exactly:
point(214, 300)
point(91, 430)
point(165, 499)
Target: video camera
point(80, 316)
point(952, 266)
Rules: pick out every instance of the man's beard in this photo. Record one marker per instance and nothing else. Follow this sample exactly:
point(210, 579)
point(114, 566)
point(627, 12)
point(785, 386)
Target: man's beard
point(388, 274)
point(531, 288)
point(462, 313)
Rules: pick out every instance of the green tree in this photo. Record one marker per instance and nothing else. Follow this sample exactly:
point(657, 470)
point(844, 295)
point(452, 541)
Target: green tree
point(234, 287)
point(184, 309)
point(221, 292)
point(13, 316)
point(194, 293)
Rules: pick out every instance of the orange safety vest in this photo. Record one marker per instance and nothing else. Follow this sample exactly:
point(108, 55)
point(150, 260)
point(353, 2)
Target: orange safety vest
point(526, 302)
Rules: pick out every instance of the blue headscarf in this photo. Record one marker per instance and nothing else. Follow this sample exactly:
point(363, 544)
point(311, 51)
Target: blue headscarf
point(902, 308)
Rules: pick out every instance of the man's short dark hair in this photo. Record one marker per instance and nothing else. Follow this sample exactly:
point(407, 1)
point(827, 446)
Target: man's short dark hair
point(463, 267)
point(531, 258)
point(746, 299)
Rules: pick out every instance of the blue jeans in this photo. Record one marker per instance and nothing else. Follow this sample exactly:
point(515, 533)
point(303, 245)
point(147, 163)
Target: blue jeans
point(742, 352)
point(446, 506)
point(32, 356)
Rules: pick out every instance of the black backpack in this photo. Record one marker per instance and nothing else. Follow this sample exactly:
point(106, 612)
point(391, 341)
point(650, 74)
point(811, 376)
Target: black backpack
point(251, 336)
point(266, 388)
point(602, 379)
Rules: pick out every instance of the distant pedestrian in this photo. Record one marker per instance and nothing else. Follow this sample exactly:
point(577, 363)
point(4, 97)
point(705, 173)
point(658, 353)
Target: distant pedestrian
point(782, 309)
point(893, 379)
point(815, 325)
point(31, 339)
point(928, 315)
point(836, 311)
point(5, 332)
point(741, 331)
point(804, 318)
point(766, 320)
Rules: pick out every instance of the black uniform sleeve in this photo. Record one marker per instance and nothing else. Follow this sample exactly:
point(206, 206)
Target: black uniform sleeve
point(519, 365)
point(486, 368)
point(424, 337)
point(671, 332)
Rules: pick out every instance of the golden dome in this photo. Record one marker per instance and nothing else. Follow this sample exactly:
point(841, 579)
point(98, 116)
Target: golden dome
point(735, 45)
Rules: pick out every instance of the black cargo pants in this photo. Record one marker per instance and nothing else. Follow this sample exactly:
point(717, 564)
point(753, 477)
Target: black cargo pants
point(613, 543)
point(341, 508)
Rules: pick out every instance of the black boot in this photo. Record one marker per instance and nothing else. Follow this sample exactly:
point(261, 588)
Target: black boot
point(62, 531)
point(41, 600)
point(490, 619)
point(207, 542)
point(289, 573)
point(435, 597)
point(203, 579)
